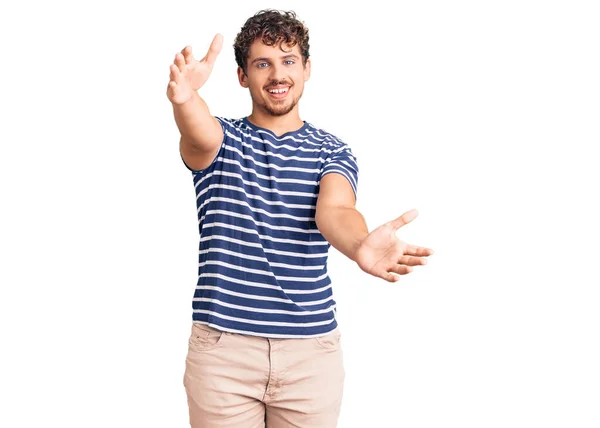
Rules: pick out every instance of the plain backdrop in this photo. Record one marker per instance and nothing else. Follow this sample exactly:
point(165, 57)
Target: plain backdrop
point(483, 115)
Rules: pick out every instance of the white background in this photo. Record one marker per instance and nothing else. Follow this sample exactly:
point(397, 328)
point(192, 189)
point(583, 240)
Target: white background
point(482, 115)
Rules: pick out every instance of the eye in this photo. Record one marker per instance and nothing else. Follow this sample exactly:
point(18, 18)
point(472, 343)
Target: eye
point(262, 64)
point(289, 62)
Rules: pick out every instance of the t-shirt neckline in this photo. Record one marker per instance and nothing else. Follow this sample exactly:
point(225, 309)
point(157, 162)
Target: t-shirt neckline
point(286, 134)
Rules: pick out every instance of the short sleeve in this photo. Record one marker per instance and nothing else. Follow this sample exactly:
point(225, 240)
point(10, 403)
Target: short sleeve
point(342, 161)
point(224, 125)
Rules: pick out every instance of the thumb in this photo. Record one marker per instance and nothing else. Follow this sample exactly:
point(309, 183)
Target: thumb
point(405, 218)
point(215, 48)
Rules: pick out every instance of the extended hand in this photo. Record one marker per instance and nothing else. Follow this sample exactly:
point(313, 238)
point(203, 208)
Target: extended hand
point(188, 74)
point(382, 254)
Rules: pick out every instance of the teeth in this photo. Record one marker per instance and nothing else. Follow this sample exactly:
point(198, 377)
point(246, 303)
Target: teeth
point(278, 91)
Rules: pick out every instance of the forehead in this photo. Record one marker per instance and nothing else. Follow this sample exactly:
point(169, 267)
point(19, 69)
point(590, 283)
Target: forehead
point(259, 50)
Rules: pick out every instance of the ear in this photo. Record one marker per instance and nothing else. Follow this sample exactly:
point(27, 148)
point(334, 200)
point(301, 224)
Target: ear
point(307, 70)
point(242, 77)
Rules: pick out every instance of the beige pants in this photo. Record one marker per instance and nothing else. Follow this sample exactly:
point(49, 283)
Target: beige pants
point(235, 380)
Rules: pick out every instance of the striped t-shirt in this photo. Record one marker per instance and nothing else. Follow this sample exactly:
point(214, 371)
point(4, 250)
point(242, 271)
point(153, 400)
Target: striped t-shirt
point(262, 261)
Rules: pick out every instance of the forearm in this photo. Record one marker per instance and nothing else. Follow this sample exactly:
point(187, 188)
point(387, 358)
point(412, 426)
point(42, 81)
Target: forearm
point(196, 125)
point(343, 227)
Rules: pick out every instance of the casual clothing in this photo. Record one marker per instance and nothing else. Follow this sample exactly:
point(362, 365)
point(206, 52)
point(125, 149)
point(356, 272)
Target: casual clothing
point(262, 261)
point(241, 381)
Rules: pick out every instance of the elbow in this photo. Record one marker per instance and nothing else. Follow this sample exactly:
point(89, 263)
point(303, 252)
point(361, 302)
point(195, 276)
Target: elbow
point(321, 216)
point(318, 217)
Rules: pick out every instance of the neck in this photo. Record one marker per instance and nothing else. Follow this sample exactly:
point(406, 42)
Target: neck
point(278, 124)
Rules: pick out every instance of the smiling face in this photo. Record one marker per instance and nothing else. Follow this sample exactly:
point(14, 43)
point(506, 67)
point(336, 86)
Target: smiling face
point(275, 76)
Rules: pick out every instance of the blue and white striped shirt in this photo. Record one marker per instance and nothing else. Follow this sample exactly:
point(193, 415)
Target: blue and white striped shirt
point(262, 261)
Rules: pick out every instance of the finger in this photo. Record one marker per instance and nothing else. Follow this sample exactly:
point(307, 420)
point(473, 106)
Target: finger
point(412, 261)
point(171, 88)
point(187, 54)
point(400, 269)
point(405, 218)
point(390, 274)
point(179, 61)
point(214, 49)
point(174, 75)
point(412, 250)
point(389, 277)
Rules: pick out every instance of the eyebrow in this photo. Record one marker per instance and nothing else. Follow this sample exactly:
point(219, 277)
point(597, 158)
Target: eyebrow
point(269, 59)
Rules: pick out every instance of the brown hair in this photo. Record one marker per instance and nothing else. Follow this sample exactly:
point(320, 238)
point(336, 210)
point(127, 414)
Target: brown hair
point(272, 27)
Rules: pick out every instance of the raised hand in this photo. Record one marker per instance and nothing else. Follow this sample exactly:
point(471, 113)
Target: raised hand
point(188, 74)
point(382, 254)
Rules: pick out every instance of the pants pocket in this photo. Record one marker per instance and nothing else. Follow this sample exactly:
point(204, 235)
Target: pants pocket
point(205, 338)
point(331, 340)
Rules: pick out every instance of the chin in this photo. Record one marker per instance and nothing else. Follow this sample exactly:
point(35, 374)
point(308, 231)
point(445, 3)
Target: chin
point(280, 110)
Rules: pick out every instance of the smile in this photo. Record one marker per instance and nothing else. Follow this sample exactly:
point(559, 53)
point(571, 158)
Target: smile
point(279, 91)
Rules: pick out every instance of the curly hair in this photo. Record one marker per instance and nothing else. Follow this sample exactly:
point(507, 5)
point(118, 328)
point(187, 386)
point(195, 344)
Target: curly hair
point(272, 27)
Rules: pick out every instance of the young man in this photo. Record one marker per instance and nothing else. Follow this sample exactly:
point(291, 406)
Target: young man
point(273, 192)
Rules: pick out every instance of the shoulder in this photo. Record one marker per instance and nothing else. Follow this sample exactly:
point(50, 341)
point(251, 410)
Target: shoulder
point(237, 131)
point(326, 138)
point(229, 123)
point(330, 143)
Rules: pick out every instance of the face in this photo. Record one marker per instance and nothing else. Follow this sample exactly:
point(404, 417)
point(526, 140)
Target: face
point(275, 77)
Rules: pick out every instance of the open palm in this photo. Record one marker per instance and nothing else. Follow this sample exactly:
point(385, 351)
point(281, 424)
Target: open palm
point(188, 74)
point(382, 254)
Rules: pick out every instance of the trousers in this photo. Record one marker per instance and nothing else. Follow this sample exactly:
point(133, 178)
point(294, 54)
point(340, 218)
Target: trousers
point(242, 381)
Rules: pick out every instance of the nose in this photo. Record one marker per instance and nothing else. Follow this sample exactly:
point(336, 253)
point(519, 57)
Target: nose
point(277, 73)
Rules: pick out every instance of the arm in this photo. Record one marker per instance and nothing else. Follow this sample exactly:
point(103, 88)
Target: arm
point(337, 218)
point(379, 253)
point(201, 133)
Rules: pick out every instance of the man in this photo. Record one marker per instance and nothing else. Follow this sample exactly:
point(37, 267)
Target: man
point(273, 192)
